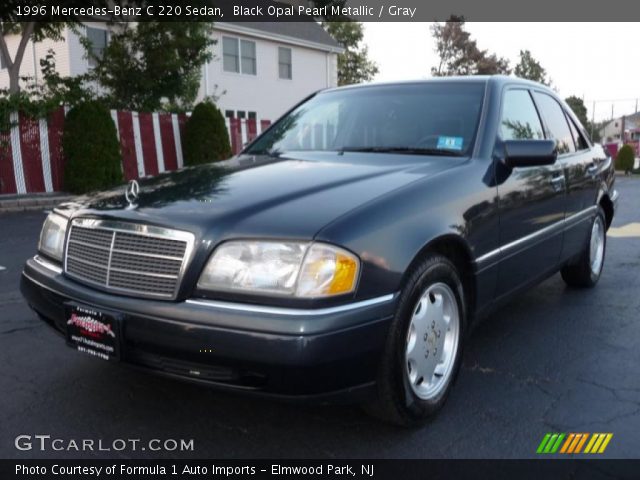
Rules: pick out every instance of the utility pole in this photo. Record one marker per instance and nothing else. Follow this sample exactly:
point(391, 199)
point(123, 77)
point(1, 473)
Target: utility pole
point(593, 117)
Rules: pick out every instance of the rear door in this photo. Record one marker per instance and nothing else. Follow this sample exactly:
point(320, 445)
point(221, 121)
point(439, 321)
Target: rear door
point(532, 202)
point(576, 159)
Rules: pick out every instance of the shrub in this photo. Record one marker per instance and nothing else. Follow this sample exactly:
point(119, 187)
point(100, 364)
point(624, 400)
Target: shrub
point(625, 159)
point(205, 136)
point(91, 148)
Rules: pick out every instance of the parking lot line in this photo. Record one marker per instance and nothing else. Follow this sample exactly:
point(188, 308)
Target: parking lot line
point(628, 230)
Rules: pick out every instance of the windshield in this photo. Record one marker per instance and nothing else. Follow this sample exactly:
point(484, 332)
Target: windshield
point(427, 118)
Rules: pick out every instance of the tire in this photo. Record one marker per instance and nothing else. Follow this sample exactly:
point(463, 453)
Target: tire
point(586, 272)
point(432, 293)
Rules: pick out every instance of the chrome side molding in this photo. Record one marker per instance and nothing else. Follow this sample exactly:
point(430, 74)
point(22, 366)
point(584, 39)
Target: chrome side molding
point(244, 307)
point(561, 224)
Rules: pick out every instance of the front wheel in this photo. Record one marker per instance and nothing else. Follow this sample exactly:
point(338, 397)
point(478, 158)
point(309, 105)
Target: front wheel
point(586, 272)
point(424, 347)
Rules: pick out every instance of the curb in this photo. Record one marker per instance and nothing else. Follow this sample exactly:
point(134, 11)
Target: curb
point(21, 203)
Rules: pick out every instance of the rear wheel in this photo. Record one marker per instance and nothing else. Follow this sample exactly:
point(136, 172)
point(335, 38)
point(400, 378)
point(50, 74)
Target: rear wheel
point(423, 350)
point(586, 272)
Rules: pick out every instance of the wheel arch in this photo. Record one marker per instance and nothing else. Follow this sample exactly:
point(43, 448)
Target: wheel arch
point(607, 205)
point(457, 250)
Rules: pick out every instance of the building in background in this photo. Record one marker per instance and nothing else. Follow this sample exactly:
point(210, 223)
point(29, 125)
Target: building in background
point(621, 131)
point(259, 69)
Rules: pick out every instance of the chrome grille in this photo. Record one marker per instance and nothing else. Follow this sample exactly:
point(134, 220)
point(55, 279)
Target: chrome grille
point(136, 259)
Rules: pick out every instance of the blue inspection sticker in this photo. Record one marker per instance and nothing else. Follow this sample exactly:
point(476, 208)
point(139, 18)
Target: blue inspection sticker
point(450, 143)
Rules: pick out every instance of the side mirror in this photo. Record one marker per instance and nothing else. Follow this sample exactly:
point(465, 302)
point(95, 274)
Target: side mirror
point(529, 153)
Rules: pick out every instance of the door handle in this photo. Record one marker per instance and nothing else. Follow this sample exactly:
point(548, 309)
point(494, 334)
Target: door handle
point(592, 169)
point(557, 182)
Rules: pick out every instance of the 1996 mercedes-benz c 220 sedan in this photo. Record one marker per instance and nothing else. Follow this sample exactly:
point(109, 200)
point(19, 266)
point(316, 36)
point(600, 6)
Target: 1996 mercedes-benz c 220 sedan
point(346, 251)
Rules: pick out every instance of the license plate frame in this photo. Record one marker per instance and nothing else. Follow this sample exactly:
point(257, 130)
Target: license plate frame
point(93, 331)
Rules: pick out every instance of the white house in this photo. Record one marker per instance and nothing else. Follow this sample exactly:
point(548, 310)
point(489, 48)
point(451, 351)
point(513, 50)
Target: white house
point(612, 131)
point(263, 69)
point(259, 70)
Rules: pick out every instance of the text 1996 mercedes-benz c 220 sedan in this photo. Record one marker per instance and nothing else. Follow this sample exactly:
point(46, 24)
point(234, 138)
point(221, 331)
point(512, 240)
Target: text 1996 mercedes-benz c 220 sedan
point(346, 251)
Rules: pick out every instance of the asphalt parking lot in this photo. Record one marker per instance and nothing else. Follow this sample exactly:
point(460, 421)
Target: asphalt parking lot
point(553, 360)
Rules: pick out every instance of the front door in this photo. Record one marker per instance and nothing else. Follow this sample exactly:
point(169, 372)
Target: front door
point(532, 202)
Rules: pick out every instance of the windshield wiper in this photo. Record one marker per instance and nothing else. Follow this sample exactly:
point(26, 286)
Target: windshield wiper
point(443, 152)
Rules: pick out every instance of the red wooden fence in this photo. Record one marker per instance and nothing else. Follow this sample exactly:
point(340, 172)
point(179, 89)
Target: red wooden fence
point(32, 161)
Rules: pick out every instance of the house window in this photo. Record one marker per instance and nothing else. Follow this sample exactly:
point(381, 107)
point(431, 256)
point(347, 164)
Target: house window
point(248, 54)
point(229, 113)
point(238, 56)
point(240, 113)
point(230, 55)
point(284, 63)
point(97, 38)
point(252, 115)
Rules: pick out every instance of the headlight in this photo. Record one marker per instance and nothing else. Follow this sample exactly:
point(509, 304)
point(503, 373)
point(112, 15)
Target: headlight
point(52, 236)
point(285, 268)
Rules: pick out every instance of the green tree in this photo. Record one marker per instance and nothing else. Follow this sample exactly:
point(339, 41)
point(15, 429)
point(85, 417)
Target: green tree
point(13, 24)
point(625, 159)
point(91, 149)
point(578, 107)
point(459, 53)
point(205, 136)
point(154, 64)
point(354, 65)
point(528, 67)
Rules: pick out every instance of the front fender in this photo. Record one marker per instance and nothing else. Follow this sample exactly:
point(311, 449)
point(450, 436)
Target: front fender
point(391, 231)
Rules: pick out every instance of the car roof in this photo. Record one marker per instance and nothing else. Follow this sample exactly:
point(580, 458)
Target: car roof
point(498, 80)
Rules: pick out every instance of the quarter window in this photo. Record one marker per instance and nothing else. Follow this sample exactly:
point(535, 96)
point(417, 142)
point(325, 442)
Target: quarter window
point(284, 63)
point(556, 122)
point(578, 138)
point(520, 119)
point(97, 38)
point(238, 56)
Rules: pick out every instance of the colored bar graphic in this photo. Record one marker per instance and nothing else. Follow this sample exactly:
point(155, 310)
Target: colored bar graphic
point(573, 443)
point(605, 443)
point(550, 443)
point(556, 446)
point(594, 437)
point(570, 438)
point(543, 443)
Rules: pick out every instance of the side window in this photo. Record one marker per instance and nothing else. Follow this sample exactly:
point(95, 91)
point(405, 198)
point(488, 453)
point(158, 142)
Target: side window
point(520, 119)
point(578, 138)
point(556, 122)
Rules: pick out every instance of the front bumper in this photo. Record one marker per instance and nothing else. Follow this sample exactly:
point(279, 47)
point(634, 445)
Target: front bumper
point(615, 197)
point(326, 353)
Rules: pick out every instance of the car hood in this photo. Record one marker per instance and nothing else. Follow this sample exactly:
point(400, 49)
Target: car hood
point(292, 196)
